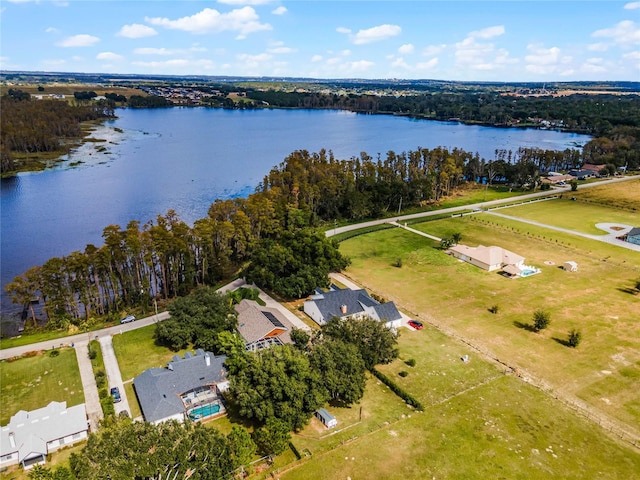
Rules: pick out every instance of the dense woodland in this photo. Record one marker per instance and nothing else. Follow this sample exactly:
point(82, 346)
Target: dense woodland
point(28, 126)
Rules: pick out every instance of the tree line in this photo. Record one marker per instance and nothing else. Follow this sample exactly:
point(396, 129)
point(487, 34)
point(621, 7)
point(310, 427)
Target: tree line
point(28, 126)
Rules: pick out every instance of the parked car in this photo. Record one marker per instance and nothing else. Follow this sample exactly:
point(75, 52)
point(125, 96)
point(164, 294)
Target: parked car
point(115, 393)
point(415, 324)
point(127, 319)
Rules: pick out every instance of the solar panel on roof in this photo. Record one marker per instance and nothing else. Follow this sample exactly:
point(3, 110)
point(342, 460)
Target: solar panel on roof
point(273, 319)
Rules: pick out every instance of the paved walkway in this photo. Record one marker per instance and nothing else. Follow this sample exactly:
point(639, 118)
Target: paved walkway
point(413, 230)
point(91, 398)
point(114, 377)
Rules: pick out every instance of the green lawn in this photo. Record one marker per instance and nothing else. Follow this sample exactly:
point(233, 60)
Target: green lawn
point(578, 216)
point(136, 351)
point(32, 382)
point(504, 429)
point(604, 370)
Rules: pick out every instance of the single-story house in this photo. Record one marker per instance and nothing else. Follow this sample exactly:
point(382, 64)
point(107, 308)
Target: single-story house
point(31, 436)
point(345, 303)
point(570, 266)
point(557, 178)
point(326, 418)
point(582, 174)
point(189, 387)
point(633, 236)
point(262, 327)
point(594, 168)
point(488, 258)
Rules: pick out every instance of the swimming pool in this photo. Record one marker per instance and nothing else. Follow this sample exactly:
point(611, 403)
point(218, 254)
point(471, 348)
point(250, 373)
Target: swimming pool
point(204, 412)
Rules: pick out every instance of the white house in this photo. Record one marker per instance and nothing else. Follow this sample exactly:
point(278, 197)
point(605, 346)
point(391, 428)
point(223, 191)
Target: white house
point(326, 418)
point(31, 436)
point(570, 266)
point(487, 258)
point(345, 303)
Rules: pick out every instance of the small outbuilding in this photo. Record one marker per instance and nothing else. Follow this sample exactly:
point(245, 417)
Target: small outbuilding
point(326, 418)
point(570, 266)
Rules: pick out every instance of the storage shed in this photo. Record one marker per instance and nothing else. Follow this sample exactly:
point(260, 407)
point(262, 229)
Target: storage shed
point(570, 266)
point(326, 418)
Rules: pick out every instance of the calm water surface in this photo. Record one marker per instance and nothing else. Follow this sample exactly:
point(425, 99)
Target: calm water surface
point(185, 158)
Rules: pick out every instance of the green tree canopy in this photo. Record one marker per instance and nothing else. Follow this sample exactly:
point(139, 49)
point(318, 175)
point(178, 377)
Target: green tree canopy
point(375, 342)
point(278, 382)
point(341, 369)
point(295, 263)
point(197, 319)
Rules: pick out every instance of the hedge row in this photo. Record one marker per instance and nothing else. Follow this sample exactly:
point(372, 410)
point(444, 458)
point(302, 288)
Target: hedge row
point(404, 395)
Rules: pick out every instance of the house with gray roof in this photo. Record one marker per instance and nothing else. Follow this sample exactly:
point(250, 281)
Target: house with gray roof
point(633, 236)
point(31, 436)
point(261, 327)
point(189, 387)
point(345, 303)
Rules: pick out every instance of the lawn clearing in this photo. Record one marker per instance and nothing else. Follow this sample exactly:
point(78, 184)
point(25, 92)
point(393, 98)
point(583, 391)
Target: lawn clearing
point(33, 382)
point(579, 216)
point(136, 351)
point(504, 429)
point(621, 195)
point(457, 296)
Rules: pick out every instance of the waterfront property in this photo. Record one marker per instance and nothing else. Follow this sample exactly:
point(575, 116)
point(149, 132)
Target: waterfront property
point(261, 327)
point(345, 303)
point(31, 436)
point(189, 387)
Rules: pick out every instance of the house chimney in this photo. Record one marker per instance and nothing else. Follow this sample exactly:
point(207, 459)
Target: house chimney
point(207, 359)
point(343, 309)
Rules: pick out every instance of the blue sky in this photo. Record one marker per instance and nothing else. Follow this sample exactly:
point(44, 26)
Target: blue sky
point(447, 40)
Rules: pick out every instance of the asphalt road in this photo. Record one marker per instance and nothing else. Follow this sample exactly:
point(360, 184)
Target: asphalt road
point(475, 206)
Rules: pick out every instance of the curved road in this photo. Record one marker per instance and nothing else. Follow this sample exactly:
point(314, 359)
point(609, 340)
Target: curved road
point(475, 206)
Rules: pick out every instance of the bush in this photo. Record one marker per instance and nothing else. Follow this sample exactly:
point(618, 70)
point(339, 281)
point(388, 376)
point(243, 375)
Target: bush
point(398, 263)
point(494, 309)
point(403, 373)
point(54, 353)
point(541, 320)
point(574, 338)
point(92, 354)
point(404, 395)
point(411, 362)
point(574, 185)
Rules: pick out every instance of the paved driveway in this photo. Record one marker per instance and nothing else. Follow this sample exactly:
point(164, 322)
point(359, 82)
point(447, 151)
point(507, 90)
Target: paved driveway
point(114, 377)
point(91, 398)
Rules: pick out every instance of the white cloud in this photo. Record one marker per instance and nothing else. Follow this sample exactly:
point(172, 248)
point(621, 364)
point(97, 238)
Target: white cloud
point(632, 55)
point(316, 58)
point(108, 56)
point(632, 6)
point(280, 10)
point(153, 51)
point(406, 49)
point(400, 63)
point(376, 34)
point(136, 30)
point(82, 40)
point(343, 30)
point(53, 62)
point(598, 47)
point(358, 66)
point(280, 50)
point(433, 50)
point(489, 32)
point(244, 2)
point(60, 4)
point(593, 65)
point(427, 65)
point(545, 60)
point(244, 20)
point(625, 33)
point(52, 30)
point(176, 62)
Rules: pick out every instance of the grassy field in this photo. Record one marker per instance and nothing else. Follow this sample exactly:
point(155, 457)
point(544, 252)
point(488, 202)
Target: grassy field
point(578, 216)
point(478, 423)
point(136, 351)
point(598, 300)
point(32, 382)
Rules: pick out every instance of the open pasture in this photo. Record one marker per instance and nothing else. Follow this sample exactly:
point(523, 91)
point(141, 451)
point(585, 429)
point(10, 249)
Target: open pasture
point(598, 300)
point(574, 215)
point(32, 382)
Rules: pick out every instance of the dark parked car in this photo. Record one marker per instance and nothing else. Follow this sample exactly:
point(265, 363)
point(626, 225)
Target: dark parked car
point(128, 319)
point(415, 324)
point(115, 393)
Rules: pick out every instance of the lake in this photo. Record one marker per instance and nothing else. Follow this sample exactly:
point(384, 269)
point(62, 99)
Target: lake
point(184, 158)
